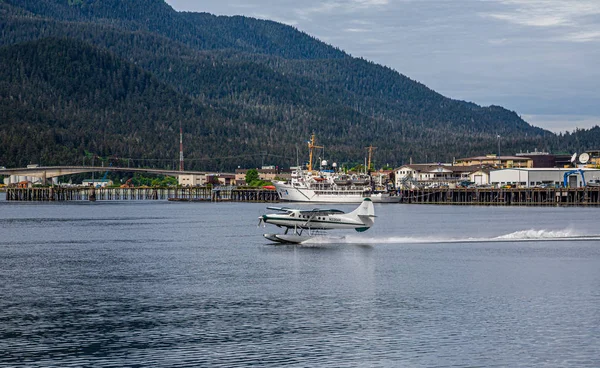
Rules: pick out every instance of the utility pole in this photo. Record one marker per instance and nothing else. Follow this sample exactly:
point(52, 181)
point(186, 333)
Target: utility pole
point(180, 148)
point(498, 145)
point(499, 160)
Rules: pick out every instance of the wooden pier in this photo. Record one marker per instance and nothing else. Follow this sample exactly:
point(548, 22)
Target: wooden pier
point(128, 194)
point(587, 196)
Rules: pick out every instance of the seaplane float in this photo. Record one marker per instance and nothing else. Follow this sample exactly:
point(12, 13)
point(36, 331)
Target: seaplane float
point(308, 224)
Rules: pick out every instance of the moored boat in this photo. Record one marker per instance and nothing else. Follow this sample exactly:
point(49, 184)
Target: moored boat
point(327, 186)
point(290, 193)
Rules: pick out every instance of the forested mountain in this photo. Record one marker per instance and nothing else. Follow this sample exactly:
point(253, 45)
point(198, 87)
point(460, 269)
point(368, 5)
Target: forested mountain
point(118, 78)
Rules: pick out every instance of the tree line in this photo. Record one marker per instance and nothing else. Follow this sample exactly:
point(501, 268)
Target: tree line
point(119, 78)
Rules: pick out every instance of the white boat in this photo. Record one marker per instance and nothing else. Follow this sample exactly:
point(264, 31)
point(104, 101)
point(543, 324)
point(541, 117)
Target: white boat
point(290, 193)
point(327, 186)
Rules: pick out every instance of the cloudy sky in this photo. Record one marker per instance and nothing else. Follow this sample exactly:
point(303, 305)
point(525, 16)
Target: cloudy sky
point(540, 58)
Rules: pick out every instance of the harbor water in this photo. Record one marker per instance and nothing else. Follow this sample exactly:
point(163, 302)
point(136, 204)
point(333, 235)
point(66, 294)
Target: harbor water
point(163, 284)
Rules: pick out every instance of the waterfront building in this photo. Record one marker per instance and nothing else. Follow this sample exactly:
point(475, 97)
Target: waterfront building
point(480, 177)
point(541, 177)
point(382, 179)
point(220, 179)
point(15, 179)
point(541, 159)
point(191, 180)
point(495, 161)
point(594, 158)
point(431, 175)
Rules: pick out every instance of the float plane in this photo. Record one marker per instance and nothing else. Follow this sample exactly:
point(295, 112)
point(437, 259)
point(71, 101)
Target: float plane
point(306, 224)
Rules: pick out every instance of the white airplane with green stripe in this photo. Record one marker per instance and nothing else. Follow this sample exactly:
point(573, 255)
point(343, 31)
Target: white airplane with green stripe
point(304, 223)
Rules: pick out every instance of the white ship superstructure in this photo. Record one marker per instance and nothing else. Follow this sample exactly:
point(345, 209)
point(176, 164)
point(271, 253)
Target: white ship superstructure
point(329, 186)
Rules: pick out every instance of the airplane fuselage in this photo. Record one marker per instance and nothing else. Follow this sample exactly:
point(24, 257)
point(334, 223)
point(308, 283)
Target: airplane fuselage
point(319, 222)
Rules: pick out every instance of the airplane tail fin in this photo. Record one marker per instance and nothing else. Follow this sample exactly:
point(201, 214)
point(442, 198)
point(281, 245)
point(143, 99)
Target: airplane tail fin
point(366, 213)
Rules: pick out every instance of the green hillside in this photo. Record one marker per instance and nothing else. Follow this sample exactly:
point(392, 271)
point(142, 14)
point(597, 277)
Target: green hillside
point(117, 78)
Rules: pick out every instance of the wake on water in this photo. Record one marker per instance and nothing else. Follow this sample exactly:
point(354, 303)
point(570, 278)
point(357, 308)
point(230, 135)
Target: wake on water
point(530, 235)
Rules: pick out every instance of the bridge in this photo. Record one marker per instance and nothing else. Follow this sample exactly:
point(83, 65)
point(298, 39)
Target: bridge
point(46, 172)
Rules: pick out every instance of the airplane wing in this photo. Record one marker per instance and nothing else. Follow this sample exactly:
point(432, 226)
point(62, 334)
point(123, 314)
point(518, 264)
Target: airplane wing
point(321, 212)
point(282, 209)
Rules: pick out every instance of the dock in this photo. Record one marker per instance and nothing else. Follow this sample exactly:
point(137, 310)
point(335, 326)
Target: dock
point(586, 196)
point(186, 194)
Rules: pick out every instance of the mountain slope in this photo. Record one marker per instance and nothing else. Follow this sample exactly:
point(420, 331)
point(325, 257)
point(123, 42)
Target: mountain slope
point(248, 87)
point(47, 103)
point(331, 67)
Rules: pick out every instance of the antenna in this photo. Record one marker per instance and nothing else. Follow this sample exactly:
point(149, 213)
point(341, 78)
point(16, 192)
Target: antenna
point(180, 148)
point(573, 158)
point(311, 146)
point(584, 158)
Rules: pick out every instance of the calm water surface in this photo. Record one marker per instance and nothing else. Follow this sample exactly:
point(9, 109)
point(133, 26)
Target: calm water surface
point(195, 284)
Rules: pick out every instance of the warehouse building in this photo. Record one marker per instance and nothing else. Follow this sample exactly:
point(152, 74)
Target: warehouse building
point(541, 177)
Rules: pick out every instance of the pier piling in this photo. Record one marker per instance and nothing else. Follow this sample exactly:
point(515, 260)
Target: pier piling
point(126, 194)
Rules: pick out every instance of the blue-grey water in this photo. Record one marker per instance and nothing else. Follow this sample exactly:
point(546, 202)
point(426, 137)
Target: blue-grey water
point(160, 284)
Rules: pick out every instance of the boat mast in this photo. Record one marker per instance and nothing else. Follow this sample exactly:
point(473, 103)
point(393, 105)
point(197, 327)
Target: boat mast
point(371, 148)
point(311, 146)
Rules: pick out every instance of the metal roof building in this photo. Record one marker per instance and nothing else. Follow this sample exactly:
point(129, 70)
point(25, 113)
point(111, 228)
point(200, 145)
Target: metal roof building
point(533, 177)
